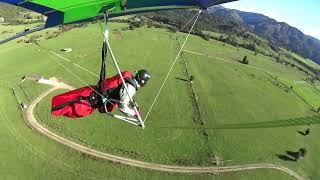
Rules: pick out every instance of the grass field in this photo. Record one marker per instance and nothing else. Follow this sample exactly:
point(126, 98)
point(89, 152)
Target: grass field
point(250, 99)
point(307, 61)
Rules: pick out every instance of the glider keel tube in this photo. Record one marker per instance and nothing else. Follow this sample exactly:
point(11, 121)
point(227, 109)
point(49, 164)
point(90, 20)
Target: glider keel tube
point(23, 33)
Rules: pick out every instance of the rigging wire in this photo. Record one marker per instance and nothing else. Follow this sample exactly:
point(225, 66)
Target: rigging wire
point(188, 22)
point(83, 82)
point(174, 62)
point(116, 65)
point(79, 79)
point(77, 65)
point(65, 59)
point(76, 76)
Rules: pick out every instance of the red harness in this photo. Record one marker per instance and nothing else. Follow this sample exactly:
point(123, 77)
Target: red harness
point(75, 103)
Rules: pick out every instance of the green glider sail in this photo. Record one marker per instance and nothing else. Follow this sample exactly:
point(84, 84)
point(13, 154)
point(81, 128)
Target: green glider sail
point(72, 11)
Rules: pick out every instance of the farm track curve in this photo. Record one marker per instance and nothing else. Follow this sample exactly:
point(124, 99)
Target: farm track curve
point(131, 162)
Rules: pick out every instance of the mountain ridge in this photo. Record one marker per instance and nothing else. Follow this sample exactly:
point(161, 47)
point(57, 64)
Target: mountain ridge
point(280, 33)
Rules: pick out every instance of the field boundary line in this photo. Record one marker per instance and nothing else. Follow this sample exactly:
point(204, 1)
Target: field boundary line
point(270, 74)
point(136, 163)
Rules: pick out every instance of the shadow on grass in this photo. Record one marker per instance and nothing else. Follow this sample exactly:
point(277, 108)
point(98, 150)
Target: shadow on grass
point(237, 60)
point(293, 154)
point(304, 133)
point(268, 124)
point(290, 156)
point(285, 157)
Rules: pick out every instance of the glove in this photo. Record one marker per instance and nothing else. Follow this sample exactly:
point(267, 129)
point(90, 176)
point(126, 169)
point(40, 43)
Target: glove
point(137, 114)
point(134, 104)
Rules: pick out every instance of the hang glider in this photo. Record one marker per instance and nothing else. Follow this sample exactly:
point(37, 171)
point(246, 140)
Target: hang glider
point(72, 11)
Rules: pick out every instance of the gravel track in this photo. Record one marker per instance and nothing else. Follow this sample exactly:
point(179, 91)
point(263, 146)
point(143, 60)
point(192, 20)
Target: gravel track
point(131, 162)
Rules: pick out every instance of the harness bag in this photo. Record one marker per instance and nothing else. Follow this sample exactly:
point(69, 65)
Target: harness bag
point(83, 101)
point(73, 104)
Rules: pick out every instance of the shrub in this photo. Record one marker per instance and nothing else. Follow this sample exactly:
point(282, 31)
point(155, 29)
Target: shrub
point(245, 60)
point(149, 24)
point(205, 36)
point(173, 29)
point(20, 41)
point(251, 47)
point(191, 78)
point(221, 38)
point(131, 27)
point(302, 152)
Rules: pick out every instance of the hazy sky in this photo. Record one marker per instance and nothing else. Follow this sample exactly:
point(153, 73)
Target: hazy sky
point(302, 14)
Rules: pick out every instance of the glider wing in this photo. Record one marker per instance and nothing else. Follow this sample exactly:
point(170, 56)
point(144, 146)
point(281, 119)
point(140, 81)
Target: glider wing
point(71, 11)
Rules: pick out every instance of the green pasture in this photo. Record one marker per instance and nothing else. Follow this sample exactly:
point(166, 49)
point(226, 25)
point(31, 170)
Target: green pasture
point(307, 61)
point(220, 88)
point(263, 47)
point(245, 108)
point(217, 50)
point(26, 154)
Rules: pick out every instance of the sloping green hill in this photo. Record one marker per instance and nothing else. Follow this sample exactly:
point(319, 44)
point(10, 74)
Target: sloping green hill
point(10, 12)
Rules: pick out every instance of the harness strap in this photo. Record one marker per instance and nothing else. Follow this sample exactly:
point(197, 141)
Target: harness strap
point(104, 52)
point(132, 82)
point(103, 66)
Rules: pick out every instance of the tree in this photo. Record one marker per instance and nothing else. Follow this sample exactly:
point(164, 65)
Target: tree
point(245, 60)
point(307, 132)
point(221, 38)
point(278, 57)
point(149, 24)
point(191, 78)
point(173, 29)
point(28, 16)
point(251, 46)
point(302, 152)
point(33, 39)
point(205, 36)
point(131, 27)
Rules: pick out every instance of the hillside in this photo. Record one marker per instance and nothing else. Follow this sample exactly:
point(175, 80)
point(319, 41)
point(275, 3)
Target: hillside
point(233, 21)
point(10, 12)
point(229, 31)
point(280, 33)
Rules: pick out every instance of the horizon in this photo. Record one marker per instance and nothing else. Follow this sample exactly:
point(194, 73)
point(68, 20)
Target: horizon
point(281, 13)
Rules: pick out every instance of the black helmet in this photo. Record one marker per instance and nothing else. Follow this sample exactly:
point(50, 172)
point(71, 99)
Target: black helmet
point(142, 77)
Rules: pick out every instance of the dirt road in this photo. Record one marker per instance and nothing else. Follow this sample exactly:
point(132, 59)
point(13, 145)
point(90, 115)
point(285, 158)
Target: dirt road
point(140, 164)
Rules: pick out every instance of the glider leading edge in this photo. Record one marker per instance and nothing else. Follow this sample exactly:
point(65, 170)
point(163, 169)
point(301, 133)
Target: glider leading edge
point(60, 12)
